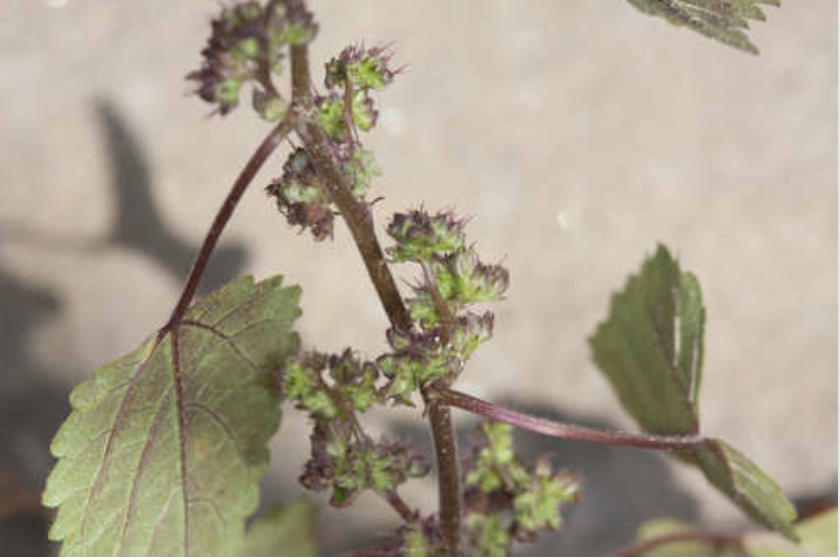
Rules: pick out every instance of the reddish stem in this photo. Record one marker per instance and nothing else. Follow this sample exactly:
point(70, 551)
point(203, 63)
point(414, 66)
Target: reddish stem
point(359, 221)
point(395, 501)
point(563, 430)
point(225, 212)
point(716, 540)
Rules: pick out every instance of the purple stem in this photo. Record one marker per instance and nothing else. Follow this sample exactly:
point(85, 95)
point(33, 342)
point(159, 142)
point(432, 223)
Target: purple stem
point(563, 430)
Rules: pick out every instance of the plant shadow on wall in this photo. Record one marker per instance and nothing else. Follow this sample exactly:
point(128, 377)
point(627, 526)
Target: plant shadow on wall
point(32, 403)
point(614, 509)
point(31, 409)
point(164, 447)
point(138, 223)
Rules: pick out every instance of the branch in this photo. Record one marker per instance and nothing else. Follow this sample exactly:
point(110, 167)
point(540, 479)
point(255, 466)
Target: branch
point(403, 510)
point(563, 430)
point(360, 223)
point(717, 540)
point(226, 211)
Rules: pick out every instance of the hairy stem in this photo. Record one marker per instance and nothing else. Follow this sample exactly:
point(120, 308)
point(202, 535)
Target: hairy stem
point(395, 501)
point(360, 223)
point(446, 317)
point(225, 212)
point(562, 430)
point(449, 483)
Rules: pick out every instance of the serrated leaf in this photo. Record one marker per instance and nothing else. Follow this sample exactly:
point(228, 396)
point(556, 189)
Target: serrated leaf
point(162, 451)
point(747, 485)
point(284, 530)
point(651, 346)
point(651, 350)
point(721, 20)
point(818, 537)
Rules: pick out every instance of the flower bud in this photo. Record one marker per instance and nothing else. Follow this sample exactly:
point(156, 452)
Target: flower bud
point(300, 196)
point(364, 68)
point(419, 235)
point(471, 330)
point(245, 40)
point(472, 281)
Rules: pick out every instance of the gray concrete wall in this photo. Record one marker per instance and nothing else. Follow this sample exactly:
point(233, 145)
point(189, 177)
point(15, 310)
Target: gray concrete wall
point(576, 134)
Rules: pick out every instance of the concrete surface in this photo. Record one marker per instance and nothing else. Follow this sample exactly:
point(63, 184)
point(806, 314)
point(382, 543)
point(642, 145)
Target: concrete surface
point(576, 134)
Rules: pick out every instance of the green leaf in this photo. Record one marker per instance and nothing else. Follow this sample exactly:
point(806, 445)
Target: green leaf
point(671, 537)
point(284, 530)
point(747, 485)
point(818, 537)
point(164, 446)
point(721, 20)
point(651, 346)
point(651, 350)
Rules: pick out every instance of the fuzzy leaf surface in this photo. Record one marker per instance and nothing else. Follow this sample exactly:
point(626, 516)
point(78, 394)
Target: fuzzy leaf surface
point(284, 530)
point(162, 451)
point(721, 20)
point(650, 348)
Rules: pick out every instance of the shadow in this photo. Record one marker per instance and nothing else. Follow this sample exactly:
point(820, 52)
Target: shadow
point(622, 487)
point(139, 224)
point(31, 410)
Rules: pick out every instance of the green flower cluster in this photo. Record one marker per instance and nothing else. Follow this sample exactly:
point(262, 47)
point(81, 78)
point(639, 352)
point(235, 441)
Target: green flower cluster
point(446, 332)
point(301, 197)
point(334, 389)
point(353, 386)
point(508, 502)
point(417, 358)
point(361, 68)
point(333, 118)
point(350, 465)
point(246, 45)
point(351, 76)
point(420, 236)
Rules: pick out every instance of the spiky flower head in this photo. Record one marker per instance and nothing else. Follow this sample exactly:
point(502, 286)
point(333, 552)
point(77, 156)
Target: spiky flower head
point(350, 466)
point(246, 44)
point(365, 68)
point(333, 117)
point(503, 496)
point(420, 235)
point(301, 198)
point(463, 278)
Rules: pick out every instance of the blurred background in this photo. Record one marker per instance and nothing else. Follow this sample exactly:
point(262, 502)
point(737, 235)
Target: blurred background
point(576, 135)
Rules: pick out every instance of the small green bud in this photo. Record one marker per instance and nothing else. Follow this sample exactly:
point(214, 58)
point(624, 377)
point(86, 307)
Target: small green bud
point(477, 282)
point(228, 92)
point(300, 383)
point(247, 49)
point(330, 117)
point(364, 114)
point(538, 507)
point(419, 236)
point(354, 380)
point(365, 68)
point(267, 106)
point(330, 114)
point(301, 197)
point(416, 544)
point(361, 168)
point(245, 37)
point(424, 311)
point(490, 536)
point(470, 331)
